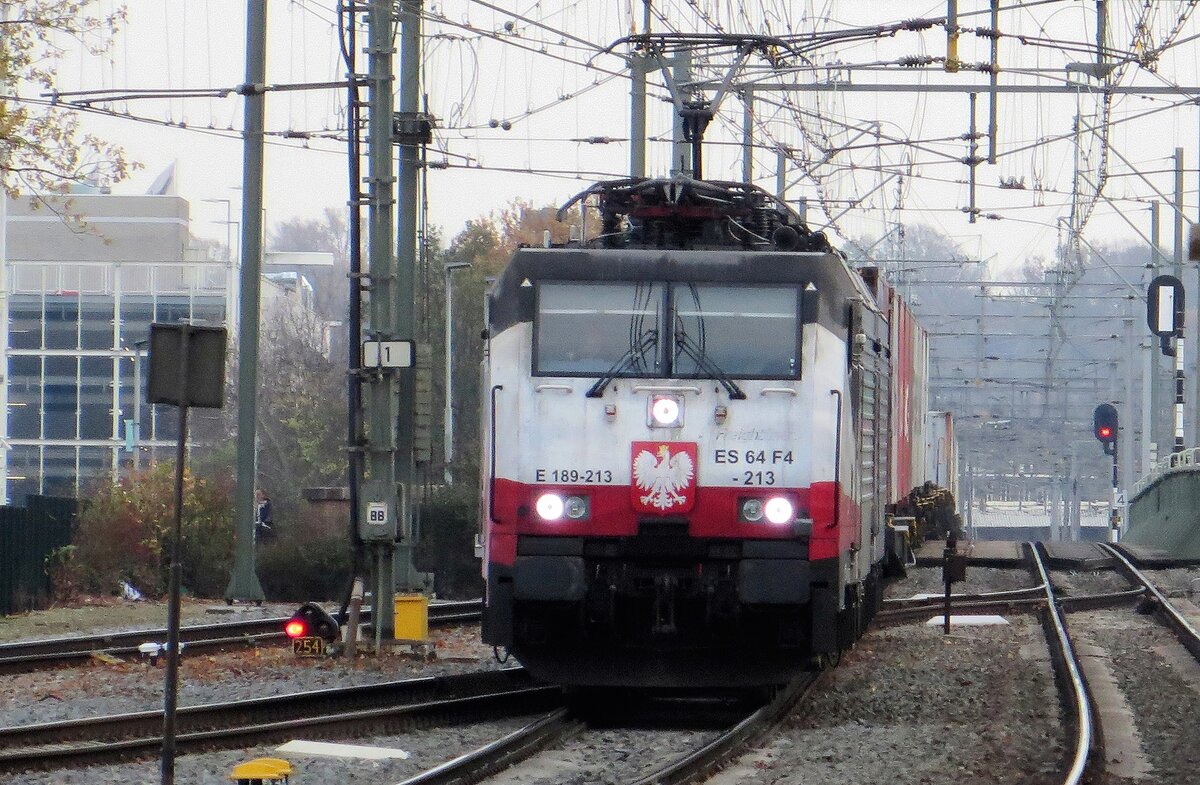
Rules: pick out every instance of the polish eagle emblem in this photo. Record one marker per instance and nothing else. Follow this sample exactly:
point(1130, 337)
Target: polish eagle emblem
point(664, 475)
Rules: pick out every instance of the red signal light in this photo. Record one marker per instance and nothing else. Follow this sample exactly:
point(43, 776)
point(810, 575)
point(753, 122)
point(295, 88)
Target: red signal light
point(296, 628)
point(1104, 432)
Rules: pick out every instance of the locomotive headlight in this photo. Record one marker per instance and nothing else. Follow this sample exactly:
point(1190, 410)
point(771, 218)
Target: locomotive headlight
point(577, 507)
point(779, 510)
point(549, 506)
point(752, 510)
point(666, 411)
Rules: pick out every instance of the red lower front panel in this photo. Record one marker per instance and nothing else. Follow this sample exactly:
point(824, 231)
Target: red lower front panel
point(715, 514)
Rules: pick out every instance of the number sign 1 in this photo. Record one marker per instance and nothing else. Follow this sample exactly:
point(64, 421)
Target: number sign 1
point(387, 354)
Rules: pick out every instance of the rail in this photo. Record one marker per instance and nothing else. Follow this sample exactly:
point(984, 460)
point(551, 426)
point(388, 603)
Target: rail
point(242, 729)
point(45, 652)
point(1184, 630)
point(1067, 662)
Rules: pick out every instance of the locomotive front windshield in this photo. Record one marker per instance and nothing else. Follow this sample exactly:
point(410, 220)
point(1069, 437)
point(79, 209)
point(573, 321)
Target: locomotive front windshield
point(595, 328)
point(686, 331)
point(745, 331)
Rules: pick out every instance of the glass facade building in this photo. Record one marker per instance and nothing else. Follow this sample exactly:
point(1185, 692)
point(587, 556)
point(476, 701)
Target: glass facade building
point(72, 331)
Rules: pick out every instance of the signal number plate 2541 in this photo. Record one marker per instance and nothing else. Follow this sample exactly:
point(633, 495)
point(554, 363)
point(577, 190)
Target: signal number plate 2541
point(312, 646)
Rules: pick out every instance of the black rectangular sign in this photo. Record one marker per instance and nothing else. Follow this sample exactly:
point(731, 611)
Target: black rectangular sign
point(206, 365)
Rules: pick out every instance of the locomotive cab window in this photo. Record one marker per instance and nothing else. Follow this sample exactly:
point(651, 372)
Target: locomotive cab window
point(740, 331)
point(591, 329)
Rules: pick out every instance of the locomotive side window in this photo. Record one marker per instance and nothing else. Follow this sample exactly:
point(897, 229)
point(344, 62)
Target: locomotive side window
point(742, 331)
point(591, 329)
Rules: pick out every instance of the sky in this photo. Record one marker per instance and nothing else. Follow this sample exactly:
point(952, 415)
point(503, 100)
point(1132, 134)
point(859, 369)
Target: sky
point(866, 162)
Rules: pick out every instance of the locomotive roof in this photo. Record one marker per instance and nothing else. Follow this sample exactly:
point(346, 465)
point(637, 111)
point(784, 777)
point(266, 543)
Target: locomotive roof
point(827, 272)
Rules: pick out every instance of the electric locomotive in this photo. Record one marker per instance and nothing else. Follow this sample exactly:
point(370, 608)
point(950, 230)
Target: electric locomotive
point(692, 426)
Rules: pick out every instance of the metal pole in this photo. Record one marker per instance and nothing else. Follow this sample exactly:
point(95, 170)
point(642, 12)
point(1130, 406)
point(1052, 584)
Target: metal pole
point(408, 200)
point(1189, 319)
point(1126, 443)
point(171, 688)
point(243, 583)
point(1179, 386)
point(137, 407)
point(1158, 434)
point(354, 415)
point(972, 162)
point(781, 174)
point(748, 135)
point(448, 415)
point(1180, 346)
point(4, 336)
point(1055, 512)
point(952, 36)
point(380, 395)
point(992, 79)
point(681, 151)
point(638, 66)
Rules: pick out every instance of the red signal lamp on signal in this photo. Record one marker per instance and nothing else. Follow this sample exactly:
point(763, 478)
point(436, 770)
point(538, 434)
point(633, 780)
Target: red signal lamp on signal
point(1104, 426)
point(312, 621)
point(296, 628)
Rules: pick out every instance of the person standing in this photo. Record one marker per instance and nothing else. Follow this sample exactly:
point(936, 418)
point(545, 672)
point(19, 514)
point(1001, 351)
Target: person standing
point(263, 531)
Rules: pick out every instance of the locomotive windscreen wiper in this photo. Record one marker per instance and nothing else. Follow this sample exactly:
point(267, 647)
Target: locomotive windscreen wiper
point(626, 361)
point(684, 343)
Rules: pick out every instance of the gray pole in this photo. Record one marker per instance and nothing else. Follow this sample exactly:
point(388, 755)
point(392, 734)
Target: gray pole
point(681, 151)
point(1128, 407)
point(1055, 512)
point(380, 395)
point(1184, 431)
point(748, 135)
point(171, 685)
point(243, 583)
point(992, 79)
point(408, 199)
point(637, 115)
point(1075, 522)
point(781, 173)
point(1156, 435)
point(137, 407)
point(639, 66)
point(973, 162)
point(448, 414)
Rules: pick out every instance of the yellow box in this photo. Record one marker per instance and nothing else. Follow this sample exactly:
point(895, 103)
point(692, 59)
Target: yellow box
point(411, 618)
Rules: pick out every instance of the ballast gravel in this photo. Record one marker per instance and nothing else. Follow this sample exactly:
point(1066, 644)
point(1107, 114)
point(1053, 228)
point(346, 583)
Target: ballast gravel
point(1160, 682)
point(911, 705)
point(980, 580)
point(1084, 583)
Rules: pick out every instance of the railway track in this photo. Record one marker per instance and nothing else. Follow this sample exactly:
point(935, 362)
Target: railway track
point(1031, 600)
point(343, 712)
point(1068, 673)
point(556, 727)
point(31, 655)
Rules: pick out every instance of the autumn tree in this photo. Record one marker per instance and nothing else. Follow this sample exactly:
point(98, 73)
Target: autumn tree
point(41, 145)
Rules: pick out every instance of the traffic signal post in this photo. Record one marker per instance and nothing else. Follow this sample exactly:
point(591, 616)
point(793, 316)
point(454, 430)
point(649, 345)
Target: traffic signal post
point(1106, 427)
point(1165, 315)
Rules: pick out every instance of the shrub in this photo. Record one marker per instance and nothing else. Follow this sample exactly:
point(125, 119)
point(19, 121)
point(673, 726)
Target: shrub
point(449, 521)
point(309, 560)
point(125, 529)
